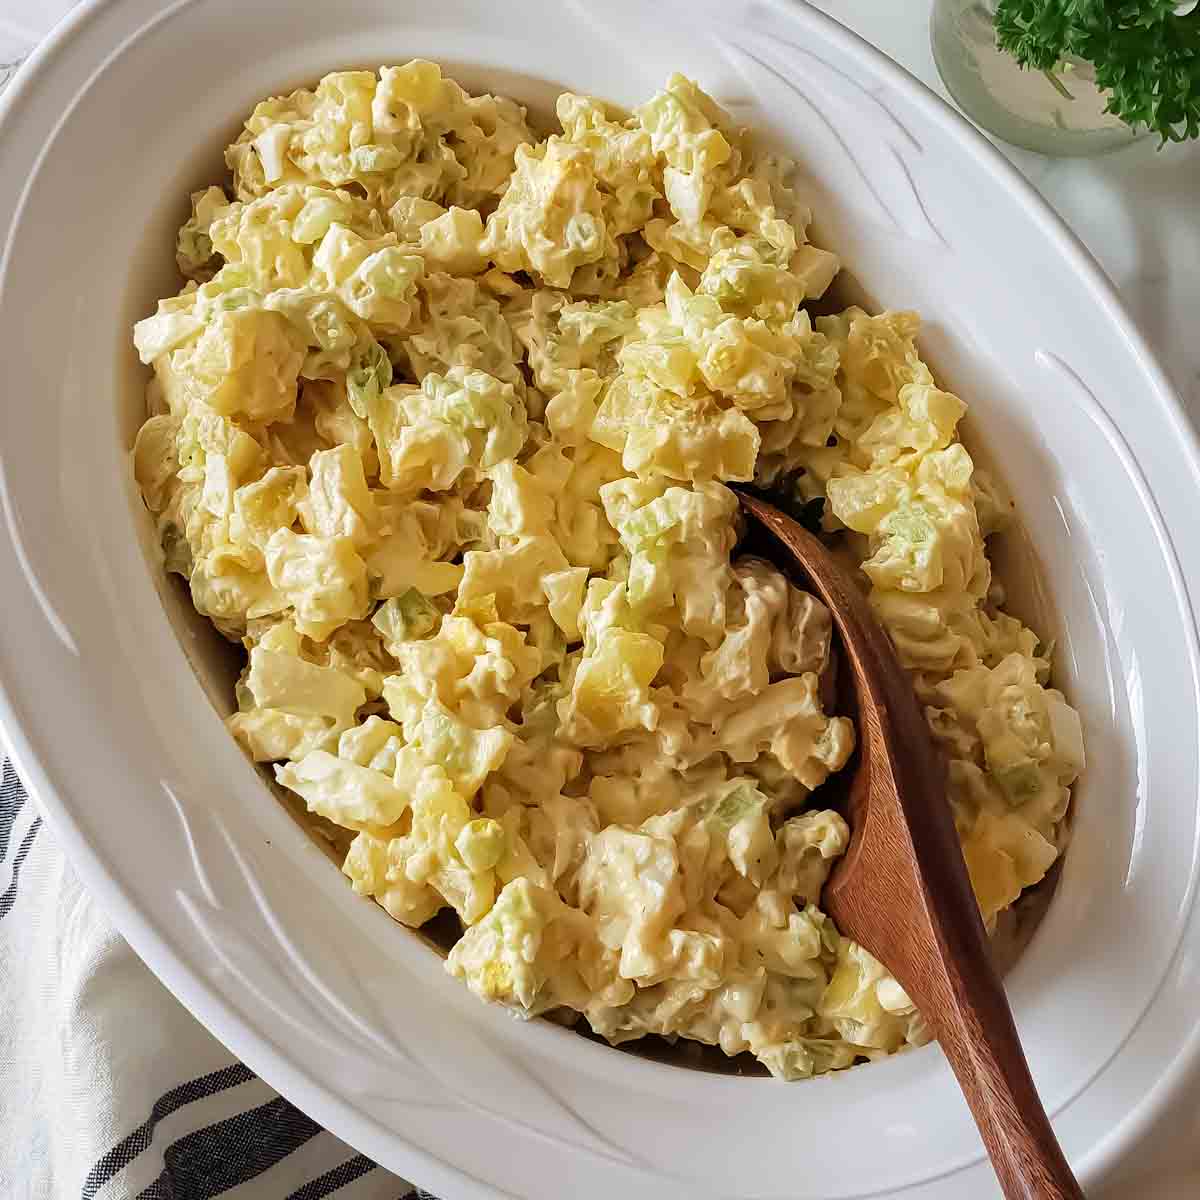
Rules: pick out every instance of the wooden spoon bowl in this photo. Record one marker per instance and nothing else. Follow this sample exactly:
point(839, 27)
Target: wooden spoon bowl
point(902, 890)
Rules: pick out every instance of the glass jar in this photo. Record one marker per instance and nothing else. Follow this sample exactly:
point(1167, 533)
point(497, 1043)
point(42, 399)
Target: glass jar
point(1058, 112)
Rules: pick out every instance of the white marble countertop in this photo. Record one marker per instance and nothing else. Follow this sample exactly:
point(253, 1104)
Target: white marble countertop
point(1136, 211)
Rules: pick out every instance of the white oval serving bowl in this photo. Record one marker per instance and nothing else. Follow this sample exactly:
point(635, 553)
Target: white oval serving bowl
point(106, 130)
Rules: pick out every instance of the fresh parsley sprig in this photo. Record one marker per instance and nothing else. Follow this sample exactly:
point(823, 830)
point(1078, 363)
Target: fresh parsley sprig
point(1145, 53)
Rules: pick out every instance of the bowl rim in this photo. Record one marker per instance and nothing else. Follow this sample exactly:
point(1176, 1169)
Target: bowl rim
point(200, 996)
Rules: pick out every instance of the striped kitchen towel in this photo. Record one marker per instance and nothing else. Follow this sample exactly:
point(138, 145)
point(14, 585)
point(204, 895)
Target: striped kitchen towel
point(109, 1089)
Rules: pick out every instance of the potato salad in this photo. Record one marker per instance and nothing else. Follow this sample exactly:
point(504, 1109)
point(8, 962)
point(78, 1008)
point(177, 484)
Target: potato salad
point(441, 430)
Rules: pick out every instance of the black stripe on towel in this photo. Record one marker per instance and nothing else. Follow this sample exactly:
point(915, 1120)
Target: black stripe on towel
point(342, 1174)
point(9, 898)
point(126, 1150)
point(214, 1159)
point(12, 800)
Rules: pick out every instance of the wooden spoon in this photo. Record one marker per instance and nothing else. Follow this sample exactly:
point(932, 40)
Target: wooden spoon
point(902, 889)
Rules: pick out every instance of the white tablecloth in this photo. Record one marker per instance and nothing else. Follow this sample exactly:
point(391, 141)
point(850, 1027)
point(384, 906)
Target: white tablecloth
point(109, 1089)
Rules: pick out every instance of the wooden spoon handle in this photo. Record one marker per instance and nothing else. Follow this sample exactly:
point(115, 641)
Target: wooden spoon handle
point(941, 955)
point(987, 1059)
point(903, 892)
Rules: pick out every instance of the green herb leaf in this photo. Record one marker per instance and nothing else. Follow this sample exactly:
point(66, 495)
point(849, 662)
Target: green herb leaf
point(1145, 53)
